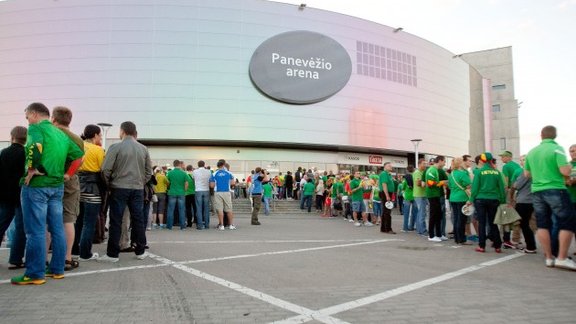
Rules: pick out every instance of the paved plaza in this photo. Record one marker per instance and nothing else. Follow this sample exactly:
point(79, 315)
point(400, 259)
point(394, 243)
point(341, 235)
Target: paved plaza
point(298, 268)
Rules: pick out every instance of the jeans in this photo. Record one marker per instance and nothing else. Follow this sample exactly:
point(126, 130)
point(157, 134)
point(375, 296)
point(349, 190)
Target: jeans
point(486, 211)
point(134, 200)
point(42, 207)
point(190, 208)
point(18, 238)
point(435, 221)
point(525, 211)
point(443, 217)
point(377, 208)
point(202, 209)
point(308, 202)
point(319, 202)
point(421, 203)
point(554, 202)
point(289, 192)
point(267, 205)
point(172, 202)
point(90, 213)
point(459, 222)
point(7, 212)
point(410, 214)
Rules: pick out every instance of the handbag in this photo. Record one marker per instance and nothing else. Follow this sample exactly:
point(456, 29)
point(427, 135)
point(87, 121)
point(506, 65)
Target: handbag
point(467, 191)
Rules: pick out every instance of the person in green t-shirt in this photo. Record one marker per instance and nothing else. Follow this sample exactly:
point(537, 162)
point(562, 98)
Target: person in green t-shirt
point(419, 193)
point(47, 151)
point(548, 166)
point(357, 190)
point(387, 189)
point(409, 209)
point(571, 182)
point(267, 196)
point(434, 190)
point(177, 186)
point(510, 171)
point(459, 183)
point(308, 192)
point(336, 193)
point(190, 200)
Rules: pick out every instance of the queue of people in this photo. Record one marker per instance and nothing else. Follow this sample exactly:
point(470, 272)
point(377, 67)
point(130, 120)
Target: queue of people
point(62, 183)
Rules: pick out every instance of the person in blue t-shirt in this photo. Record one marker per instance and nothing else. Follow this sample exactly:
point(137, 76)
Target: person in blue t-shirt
point(221, 180)
point(259, 177)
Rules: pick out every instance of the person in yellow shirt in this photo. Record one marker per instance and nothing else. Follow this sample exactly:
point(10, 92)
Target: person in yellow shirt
point(159, 207)
point(91, 192)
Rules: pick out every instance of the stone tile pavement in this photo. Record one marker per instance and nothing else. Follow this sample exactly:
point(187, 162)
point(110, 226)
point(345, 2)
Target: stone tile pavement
point(298, 268)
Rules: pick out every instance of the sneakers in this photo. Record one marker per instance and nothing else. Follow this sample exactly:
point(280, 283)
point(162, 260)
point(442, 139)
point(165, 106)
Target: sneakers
point(24, 280)
point(49, 274)
point(357, 224)
point(255, 223)
point(231, 227)
point(221, 227)
point(550, 263)
point(508, 245)
point(564, 264)
point(498, 250)
point(93, 257)
point(434, 239)
point(368, 224)
point(529, 251)
point(479, 249)
point(106, 258)
point(142, 256)
point(443, 238)
point(350, 220)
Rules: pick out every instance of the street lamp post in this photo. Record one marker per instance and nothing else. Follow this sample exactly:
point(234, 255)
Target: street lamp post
point(416, 142)
point(105, 127)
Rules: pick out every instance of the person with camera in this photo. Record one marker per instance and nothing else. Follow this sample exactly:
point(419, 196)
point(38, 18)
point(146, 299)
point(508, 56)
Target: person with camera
point(260, 176)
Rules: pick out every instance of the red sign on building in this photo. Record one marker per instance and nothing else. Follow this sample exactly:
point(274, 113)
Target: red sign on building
point(375, 159)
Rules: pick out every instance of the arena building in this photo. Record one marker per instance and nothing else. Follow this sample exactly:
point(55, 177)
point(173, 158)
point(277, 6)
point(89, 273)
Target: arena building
point(257, 83)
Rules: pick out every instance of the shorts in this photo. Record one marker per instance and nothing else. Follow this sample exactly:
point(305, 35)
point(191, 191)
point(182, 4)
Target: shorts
point(557, 202)
point(358, 206)
point(159, 207)
point(368, 206)
point(223, 201)
point(71, 200)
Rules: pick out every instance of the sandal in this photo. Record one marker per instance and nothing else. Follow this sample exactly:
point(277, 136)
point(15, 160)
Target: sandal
point(17, 266)
point(70, 265)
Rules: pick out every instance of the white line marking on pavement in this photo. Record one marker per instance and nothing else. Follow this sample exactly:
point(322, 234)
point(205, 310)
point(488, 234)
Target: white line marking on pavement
point(255, 241)
point(83, 273)
point(288, 251)
point(252, 293)
point(166, 262)
point(395, 292)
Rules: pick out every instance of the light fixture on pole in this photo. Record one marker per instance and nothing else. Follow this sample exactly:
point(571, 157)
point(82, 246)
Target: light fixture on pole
point(105, 127)
point(416, 142)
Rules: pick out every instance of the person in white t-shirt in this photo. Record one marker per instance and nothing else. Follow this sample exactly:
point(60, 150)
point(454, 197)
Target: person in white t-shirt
point(201, 180)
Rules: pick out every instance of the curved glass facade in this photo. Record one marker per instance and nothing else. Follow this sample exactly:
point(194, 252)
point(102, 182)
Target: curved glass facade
point(179, 70)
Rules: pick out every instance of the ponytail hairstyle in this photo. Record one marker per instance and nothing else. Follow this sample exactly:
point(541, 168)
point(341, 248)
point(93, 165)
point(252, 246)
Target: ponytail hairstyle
point(90, 131)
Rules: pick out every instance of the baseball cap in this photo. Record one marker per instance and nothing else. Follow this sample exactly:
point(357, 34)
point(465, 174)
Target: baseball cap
point(486, 157)
point(506, 153)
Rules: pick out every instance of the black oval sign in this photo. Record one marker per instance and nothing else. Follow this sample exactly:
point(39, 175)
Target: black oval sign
point(300, 67)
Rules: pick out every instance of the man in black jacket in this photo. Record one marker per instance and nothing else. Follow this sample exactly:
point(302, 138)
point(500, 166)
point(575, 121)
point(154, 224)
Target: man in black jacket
point(12, 160)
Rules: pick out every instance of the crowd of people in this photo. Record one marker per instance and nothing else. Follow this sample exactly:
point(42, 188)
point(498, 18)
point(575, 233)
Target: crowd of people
point(61, 189)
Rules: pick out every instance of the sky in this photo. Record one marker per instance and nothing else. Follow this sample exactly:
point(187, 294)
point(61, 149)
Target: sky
point(542, 35)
